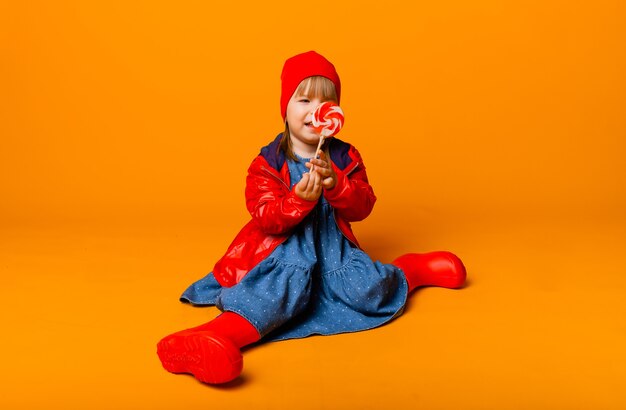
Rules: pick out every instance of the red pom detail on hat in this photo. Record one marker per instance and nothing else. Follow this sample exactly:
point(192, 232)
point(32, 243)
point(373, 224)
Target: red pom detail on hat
point(302, 66)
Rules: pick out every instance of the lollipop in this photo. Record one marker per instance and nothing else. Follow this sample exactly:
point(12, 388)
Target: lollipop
point(327, 121)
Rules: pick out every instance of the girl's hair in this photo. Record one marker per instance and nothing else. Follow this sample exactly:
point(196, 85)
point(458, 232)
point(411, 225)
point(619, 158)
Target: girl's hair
point(311, 87)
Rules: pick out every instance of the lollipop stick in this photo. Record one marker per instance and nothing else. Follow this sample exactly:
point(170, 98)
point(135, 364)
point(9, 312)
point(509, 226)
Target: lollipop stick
point(319, 145)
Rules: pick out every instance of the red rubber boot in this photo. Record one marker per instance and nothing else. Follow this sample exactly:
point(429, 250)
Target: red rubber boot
point(441, 268)
point(209, 352)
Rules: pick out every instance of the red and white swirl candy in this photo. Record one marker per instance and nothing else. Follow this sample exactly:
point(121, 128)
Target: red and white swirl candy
point(327, 119)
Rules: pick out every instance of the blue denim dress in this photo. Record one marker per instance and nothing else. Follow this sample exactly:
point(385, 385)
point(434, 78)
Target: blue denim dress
point(316, 282)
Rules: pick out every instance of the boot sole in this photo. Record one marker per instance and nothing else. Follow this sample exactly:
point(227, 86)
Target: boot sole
point(208, 357)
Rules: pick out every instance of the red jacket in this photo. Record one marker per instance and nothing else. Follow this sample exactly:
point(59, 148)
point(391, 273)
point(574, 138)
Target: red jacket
point(276, 209)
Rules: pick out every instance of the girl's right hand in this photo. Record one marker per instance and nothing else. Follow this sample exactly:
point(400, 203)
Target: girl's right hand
point(310, 186)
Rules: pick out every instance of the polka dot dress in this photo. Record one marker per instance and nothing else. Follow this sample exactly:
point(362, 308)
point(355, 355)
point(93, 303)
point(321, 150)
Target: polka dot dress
point(316, 282)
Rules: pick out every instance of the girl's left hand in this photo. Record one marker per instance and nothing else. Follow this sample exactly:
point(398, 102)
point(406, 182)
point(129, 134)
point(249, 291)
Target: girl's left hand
point(322, 165)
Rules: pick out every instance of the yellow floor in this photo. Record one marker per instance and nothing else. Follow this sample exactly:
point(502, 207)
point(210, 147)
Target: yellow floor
point(540, 324)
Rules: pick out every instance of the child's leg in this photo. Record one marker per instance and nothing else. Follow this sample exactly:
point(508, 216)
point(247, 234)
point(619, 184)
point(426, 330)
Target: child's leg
point(211, 351)
point(440, 268)
point(234, 327)
point(228, 324)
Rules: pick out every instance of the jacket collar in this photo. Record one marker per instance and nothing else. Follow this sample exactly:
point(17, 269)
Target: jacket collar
point(339, 154)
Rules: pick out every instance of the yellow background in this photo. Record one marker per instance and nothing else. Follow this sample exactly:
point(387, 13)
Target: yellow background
point(492, 129)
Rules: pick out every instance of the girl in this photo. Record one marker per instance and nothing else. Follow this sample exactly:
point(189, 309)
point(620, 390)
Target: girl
point(296, 269)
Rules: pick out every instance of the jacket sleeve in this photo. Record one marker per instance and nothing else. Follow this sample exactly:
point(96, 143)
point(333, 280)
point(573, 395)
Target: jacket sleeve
point(352, 197)
point(275, 207)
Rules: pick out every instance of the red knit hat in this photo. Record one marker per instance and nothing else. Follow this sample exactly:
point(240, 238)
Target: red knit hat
point(302, 66)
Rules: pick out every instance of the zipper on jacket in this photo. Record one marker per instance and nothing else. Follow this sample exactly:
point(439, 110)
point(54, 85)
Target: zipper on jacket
point(335, 216)
point(353, 168)
point(279, 179)
point(340, 230)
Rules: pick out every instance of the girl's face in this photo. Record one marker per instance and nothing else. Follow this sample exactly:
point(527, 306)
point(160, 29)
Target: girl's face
point(311, 92)
point(299, 113)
